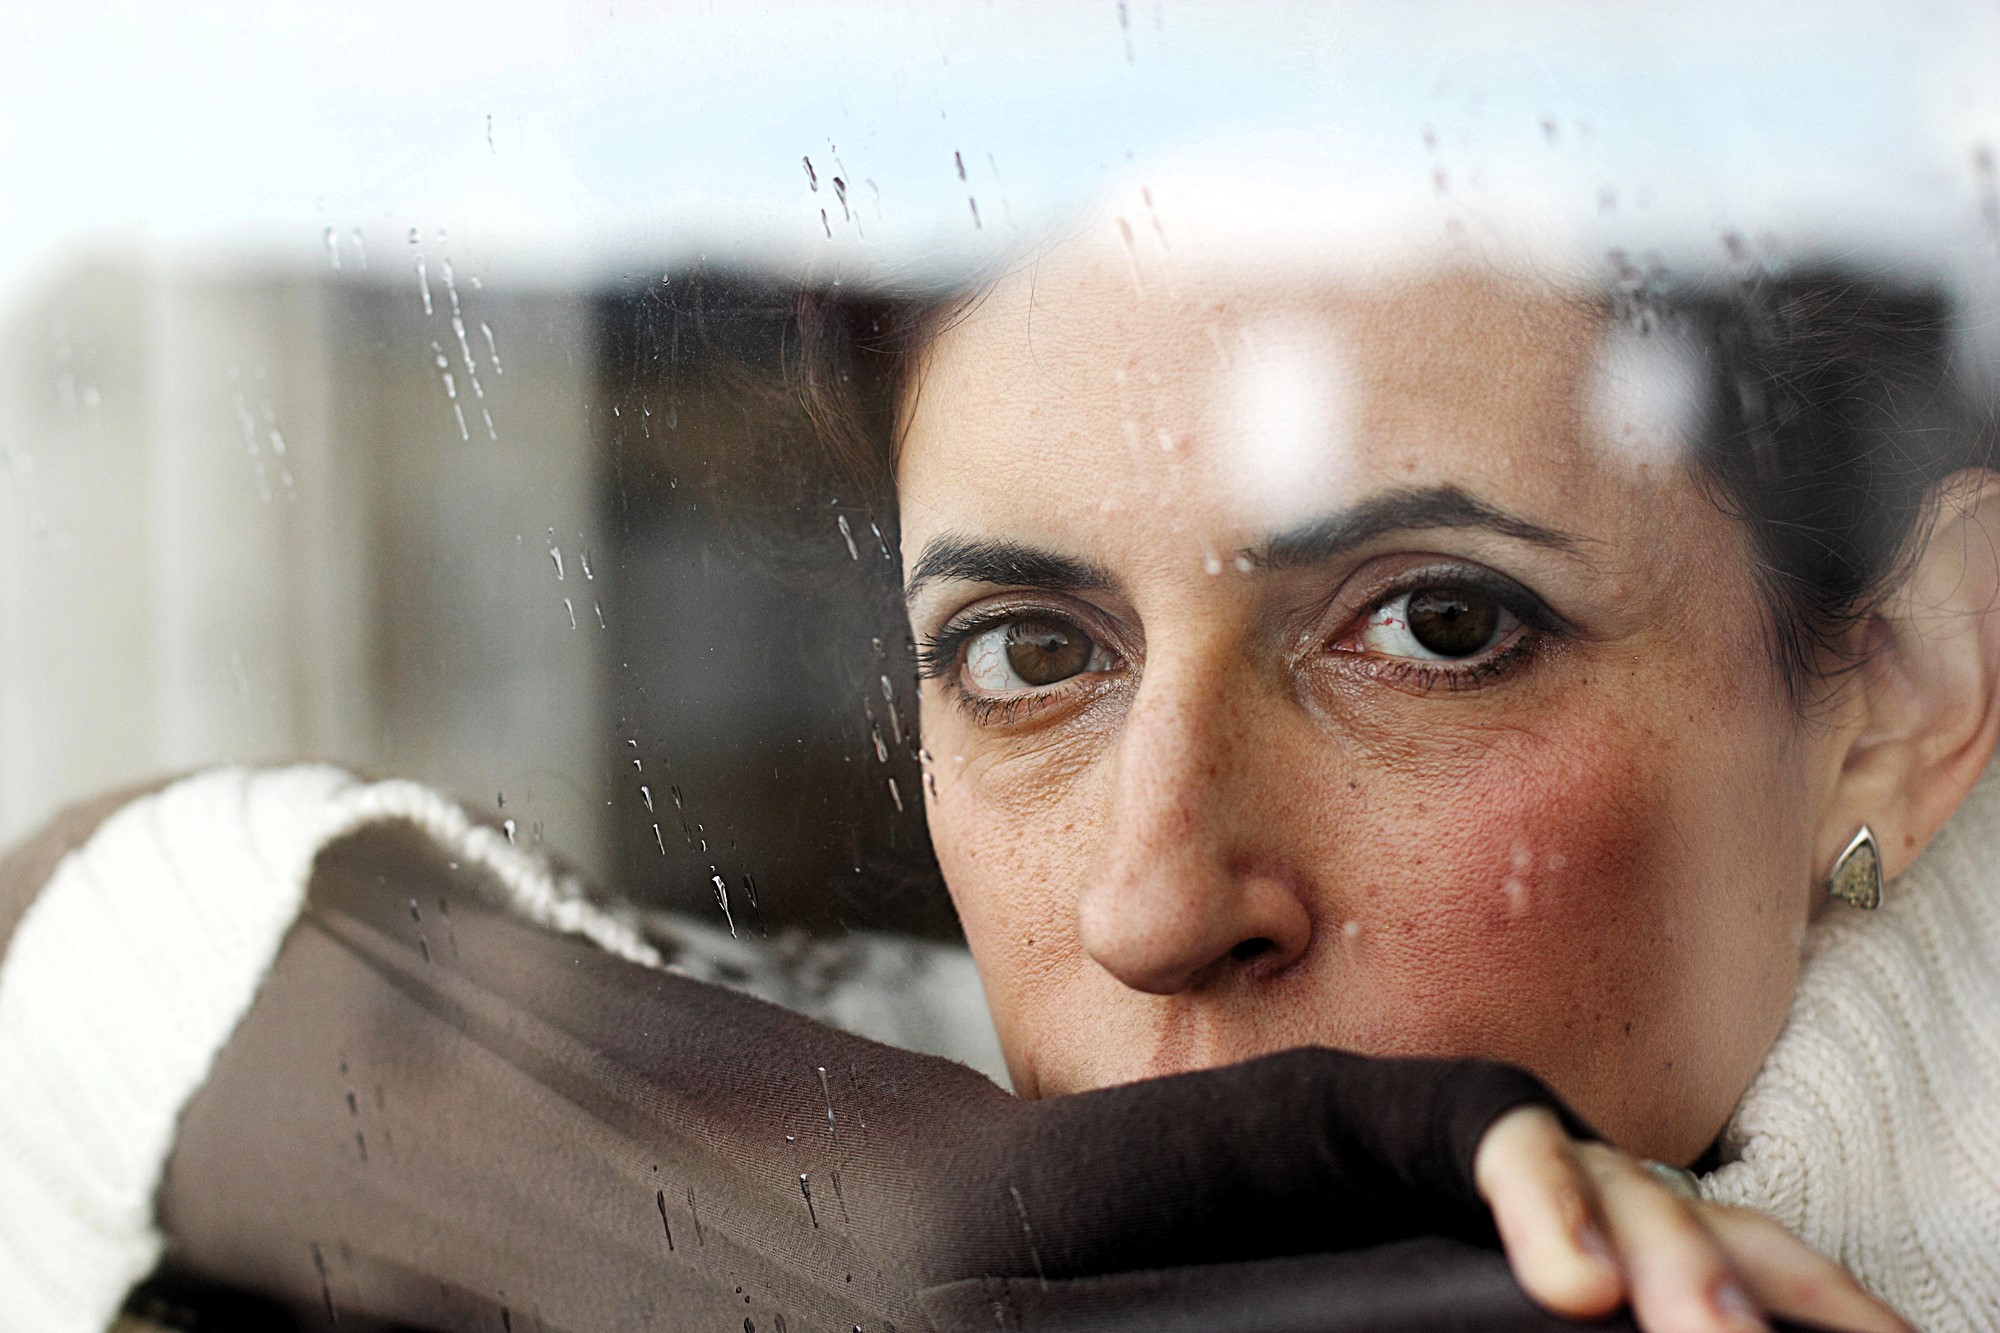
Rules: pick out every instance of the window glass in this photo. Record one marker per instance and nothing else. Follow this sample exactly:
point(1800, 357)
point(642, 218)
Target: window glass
point(875, 486)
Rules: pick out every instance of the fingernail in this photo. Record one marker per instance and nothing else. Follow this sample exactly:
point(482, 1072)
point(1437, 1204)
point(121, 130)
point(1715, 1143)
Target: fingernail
point(1734, 1305)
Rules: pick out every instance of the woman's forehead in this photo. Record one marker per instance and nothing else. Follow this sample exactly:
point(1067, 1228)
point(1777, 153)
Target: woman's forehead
point(1214, 400)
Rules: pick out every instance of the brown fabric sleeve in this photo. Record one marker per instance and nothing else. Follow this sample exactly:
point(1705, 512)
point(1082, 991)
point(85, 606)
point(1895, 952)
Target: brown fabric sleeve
point(439, 1116)
point(1417, 1286)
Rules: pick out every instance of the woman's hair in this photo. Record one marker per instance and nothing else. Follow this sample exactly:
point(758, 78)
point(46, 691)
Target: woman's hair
point(1832, 423)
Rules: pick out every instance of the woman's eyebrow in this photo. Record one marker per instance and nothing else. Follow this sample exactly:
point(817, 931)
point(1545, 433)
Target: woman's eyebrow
point(952, 557)
point(1335, 534)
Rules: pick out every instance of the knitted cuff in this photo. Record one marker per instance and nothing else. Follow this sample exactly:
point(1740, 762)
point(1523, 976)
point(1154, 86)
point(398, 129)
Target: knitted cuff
point(126, 977)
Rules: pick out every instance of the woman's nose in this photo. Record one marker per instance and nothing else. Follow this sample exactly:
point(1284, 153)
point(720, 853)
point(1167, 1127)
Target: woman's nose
point(1190, 889)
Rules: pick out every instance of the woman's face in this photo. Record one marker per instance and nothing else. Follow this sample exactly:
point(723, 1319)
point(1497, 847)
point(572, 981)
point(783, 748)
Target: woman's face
point(1314, 667)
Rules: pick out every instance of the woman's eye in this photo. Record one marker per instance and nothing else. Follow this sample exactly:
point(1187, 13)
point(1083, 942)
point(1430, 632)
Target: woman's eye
point(1029, 652)
point(1438, 624)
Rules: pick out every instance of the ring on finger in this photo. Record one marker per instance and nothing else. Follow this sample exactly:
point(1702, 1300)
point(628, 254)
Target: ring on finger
point(1677, 1179)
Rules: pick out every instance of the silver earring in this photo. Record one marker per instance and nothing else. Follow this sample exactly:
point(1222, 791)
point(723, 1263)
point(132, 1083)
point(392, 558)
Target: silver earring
point(1856, 877)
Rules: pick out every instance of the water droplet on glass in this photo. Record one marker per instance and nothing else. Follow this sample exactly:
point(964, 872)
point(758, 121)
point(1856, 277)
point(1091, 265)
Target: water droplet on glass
point(423, 278)
point(492, 352)
point(465, 351)
point(826, 1092)
point(895, 723)
point(569, 611)
point(847, 535)
point(333, 249)
point(1021, 1207)
point(507, 827)
point(722, 899)
point(325, 1288)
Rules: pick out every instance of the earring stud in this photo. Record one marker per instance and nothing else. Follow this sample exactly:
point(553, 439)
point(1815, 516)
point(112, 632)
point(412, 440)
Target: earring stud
point(1856, 878)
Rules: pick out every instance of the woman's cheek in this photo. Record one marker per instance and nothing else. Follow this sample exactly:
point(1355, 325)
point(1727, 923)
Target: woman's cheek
point(1009, 839)
point(1526, 915)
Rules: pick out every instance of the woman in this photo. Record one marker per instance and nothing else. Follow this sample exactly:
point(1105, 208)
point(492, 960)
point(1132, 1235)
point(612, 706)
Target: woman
point(1361, 663)
point(1411, 710)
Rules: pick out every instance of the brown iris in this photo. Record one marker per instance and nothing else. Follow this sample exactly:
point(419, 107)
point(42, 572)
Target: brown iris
point(1043, 652)
point(1452, 622)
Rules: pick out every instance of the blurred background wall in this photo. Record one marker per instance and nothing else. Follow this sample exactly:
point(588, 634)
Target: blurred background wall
point(474, 540)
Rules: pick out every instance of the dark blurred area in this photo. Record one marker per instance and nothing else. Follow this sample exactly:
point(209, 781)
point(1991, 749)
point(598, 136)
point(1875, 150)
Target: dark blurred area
point(760, 707)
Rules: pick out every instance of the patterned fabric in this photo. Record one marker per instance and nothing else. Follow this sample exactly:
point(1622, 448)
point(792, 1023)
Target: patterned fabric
point(1873, 1129)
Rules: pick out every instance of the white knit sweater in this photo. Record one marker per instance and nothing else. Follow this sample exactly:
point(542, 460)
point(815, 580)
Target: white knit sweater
point(1873, 1129)
point(127, 974)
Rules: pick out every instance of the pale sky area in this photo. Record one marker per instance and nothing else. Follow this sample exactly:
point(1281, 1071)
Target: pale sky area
point(558, 141)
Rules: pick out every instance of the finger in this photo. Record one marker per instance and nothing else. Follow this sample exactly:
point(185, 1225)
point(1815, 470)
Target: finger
point(1790, 1278)
point(1545, 1209)
point(1677, 1275)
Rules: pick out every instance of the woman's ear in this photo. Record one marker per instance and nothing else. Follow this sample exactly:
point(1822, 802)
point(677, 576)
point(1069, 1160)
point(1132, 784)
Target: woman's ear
point(1925, 713)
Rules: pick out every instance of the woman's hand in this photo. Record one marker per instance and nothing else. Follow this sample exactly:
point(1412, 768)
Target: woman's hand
point(1588, 1229)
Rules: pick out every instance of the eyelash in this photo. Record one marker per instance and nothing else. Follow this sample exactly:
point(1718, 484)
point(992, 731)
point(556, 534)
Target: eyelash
point(938, 656)
point(938, 659)
point(1423, 676)
point(1538, 625)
